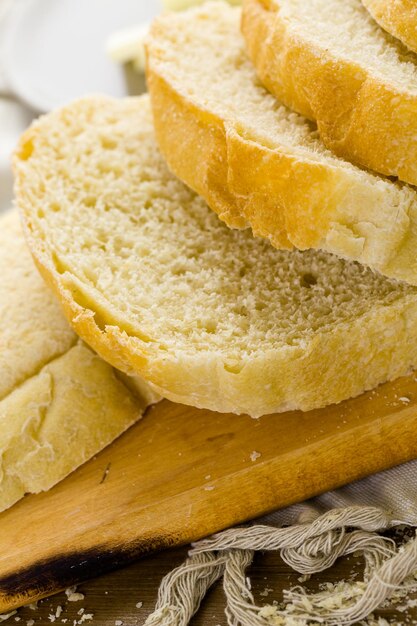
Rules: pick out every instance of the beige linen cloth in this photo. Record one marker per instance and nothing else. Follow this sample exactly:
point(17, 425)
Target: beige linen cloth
point(310, 536)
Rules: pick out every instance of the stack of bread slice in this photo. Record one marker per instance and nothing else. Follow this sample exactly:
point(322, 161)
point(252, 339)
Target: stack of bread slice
point(257, 162)
point(233, 257)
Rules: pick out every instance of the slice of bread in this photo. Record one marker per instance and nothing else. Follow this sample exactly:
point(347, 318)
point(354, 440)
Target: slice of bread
point(256, 162)
point(33, 329)
point(159, 286)
point(330, 61)
point(60, 404)
point(398, 17)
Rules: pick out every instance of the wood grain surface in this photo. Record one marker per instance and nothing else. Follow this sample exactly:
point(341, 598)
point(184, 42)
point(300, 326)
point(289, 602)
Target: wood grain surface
point(181, 474)
point(112, 598)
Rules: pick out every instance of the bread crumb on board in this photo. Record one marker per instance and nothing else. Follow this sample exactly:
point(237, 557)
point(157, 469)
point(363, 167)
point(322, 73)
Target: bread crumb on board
point(405, 400)
point(6, 616)
point(265, 593)
point(72, 594)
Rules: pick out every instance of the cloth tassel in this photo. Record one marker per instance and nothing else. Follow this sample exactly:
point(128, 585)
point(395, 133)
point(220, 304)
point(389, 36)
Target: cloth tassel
point(240, 605)
point(183, 589)
point(270, 538)
point(307, 548)
point(320, 553)
point(380, 586)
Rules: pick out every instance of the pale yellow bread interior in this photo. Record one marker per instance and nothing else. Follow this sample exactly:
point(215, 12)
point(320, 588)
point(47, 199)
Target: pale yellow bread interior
point(257, 163)
point(159, 286)
point(60, 403)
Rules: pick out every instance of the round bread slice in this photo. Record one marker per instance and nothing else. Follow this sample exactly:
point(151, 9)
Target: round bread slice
point(398, 17)
point(256, 162)
point(330, 61)
point(159, 286)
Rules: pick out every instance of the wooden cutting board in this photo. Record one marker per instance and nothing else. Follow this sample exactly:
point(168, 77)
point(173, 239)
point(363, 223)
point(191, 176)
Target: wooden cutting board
point(181, 474)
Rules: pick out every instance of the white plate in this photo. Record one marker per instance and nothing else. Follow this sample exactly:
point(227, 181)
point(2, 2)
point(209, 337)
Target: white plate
point(55, 50)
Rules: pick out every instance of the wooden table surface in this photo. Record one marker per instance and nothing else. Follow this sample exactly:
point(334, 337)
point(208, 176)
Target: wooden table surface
point(112, 598)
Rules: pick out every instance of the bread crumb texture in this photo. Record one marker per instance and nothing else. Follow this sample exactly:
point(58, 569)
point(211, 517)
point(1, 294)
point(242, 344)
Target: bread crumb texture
point(212, 317)
point(34, 331)
point(60, 403)
point(259, 164)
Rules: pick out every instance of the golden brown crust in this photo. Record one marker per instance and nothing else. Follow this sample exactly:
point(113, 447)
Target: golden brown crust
point(359, 117)
point(398, 17)
point(331, 365)
point(281, 195)
point(336, 365)
point(202, 145)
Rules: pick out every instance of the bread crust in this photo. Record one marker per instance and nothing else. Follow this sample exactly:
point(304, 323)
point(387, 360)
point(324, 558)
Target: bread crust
point(282, 196)
point(60, 403)
point(360, 117)
point(334, 366)
point(331, 366)
point(398, 17)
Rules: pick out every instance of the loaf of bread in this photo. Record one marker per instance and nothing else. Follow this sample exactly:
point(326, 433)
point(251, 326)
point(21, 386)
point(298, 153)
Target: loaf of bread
point(59, 402)
point(256, 162)
point(159, 286)
point(330, 61)
point(398, 17)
